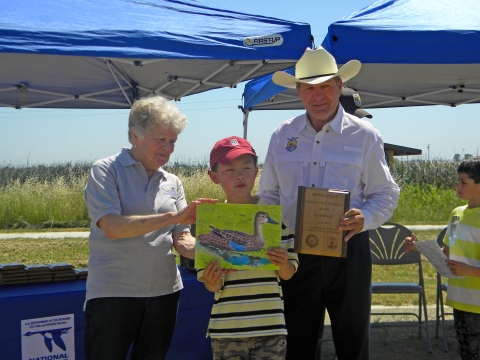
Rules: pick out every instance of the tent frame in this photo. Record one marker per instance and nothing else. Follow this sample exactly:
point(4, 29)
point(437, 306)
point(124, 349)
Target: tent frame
point(133, 88)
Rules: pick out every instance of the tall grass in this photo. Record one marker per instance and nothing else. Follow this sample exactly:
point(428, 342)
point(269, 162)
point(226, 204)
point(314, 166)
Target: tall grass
point(435, 173)
point(43, 203)
point(427, 190)
point(52, 196)
point(68, 171)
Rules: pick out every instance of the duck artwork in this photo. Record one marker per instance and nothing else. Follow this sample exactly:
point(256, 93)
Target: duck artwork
point(237, 240)
point(228, 244)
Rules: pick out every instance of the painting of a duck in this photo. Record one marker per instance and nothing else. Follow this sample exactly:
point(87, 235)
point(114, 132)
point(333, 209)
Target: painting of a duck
point(224, 233)
point(237, 240)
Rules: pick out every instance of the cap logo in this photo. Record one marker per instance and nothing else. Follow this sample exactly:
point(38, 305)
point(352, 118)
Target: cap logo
point(357, 100)
point(291, 144)
point(234, 142)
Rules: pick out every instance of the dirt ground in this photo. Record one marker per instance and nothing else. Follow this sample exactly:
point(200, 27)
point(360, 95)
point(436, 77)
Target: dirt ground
point(400, 343)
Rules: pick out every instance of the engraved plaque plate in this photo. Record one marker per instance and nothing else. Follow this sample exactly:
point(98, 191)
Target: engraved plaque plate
point(318, 215)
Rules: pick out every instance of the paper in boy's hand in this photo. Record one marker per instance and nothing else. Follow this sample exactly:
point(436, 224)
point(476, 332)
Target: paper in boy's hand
point(237, 235)
point(436, 257)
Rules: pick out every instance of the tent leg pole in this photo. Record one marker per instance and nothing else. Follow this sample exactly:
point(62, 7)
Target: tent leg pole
point(245, 124)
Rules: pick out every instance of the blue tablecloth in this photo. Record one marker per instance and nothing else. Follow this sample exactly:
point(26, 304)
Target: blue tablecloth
point(38, 300)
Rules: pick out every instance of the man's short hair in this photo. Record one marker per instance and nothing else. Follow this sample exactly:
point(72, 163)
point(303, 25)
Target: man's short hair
point(471, 167)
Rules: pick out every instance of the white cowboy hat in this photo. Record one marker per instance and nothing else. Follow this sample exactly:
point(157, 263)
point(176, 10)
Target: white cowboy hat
point(315, 67)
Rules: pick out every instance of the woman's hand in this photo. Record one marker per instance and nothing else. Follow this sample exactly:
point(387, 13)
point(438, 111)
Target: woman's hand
point(184, 243)
point(120, 226)
point(188, 215)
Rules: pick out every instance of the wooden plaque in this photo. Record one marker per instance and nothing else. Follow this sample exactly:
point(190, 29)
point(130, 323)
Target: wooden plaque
point(318, 216)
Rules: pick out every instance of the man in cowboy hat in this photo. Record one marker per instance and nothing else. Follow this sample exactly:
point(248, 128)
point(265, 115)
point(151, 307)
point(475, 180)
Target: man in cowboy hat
point(327, 147)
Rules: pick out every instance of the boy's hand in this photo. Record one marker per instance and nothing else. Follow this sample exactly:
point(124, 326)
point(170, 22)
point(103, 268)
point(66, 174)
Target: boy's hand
point(279, 257)
point(212, 273)
point(212, 276)
point(408, 243)
point(461, 269)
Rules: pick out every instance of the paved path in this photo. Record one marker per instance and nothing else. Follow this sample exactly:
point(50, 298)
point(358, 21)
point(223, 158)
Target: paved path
point(84, 234)
point(426, 227)
point(48, 235)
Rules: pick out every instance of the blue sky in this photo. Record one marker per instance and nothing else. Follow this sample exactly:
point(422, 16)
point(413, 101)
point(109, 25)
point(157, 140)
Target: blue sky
point(44, 136)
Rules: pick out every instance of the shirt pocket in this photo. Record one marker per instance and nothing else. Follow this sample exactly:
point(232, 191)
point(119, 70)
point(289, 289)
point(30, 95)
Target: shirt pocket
point(343, 170)
point(291, 172)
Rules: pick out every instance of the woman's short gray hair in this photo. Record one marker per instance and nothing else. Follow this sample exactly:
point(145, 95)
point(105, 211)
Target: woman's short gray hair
point(154, 110)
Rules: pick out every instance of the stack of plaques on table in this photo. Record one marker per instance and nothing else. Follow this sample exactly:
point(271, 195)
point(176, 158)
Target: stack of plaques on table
point(39, 273)
point(82, 273)
point(63, 271)
point(13, 273)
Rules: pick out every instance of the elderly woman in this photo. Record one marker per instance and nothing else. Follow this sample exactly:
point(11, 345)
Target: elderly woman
point(137, 211)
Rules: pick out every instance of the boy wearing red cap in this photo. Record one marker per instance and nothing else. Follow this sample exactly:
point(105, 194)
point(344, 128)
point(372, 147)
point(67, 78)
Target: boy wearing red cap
point(247, 318)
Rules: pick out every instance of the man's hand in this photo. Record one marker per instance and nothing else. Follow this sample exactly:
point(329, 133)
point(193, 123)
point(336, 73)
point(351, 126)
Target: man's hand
point(353, 221)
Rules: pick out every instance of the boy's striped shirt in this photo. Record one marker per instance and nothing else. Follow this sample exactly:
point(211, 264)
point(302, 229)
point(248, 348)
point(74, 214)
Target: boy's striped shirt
point(463, 239)
point(250, 303)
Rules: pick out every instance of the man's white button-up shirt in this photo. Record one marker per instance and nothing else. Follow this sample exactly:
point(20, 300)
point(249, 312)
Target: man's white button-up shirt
point(346, 154)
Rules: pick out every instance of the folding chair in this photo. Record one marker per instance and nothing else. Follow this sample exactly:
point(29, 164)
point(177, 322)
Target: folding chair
point(440, 311)
point(386, 245)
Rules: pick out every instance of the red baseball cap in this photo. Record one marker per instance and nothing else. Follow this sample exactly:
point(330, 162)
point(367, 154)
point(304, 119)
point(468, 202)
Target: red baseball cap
point(228, 149)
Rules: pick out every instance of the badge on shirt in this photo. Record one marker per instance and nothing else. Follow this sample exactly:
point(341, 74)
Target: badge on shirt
point(453, 226)
point(291, 144)
point(169, 189)
point(357, 100)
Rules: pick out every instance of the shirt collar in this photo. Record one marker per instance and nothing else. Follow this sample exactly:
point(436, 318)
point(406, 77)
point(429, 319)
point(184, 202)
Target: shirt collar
point(335, 124)
point(127, 160)
point(125, 157)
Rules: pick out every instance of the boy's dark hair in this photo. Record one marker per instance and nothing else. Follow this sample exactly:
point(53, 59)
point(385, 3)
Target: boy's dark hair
point(255, 161)
point(471, 167)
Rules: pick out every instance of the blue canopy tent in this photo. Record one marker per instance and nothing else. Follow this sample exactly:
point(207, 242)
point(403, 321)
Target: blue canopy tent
point(413, 53)
point(107, 53)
